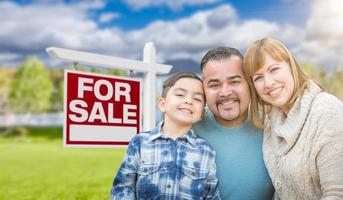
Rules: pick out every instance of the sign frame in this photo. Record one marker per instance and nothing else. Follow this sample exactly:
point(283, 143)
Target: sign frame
point(102, 144)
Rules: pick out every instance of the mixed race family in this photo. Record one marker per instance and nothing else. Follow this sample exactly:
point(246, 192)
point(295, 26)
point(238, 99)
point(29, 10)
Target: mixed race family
point(254, 127)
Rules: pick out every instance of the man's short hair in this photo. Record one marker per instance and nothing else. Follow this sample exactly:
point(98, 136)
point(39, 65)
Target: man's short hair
point(170, 82)
point(218, 54)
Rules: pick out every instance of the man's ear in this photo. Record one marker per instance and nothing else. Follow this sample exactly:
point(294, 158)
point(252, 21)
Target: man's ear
point(161, 104)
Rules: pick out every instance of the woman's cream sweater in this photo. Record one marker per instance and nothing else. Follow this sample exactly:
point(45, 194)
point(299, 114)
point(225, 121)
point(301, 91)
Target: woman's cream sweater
point(303, 152)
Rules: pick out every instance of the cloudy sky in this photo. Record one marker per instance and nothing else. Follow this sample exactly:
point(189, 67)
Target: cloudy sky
point(180, 29)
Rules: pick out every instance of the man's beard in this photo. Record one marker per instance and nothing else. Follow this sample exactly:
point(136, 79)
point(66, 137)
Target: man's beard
point(236, 99)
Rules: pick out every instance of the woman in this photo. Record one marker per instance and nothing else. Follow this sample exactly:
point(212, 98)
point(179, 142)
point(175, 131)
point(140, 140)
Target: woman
point(303, 136)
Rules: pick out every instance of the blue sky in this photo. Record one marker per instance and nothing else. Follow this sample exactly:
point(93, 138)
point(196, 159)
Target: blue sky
point(180, 29)
point(129, 15)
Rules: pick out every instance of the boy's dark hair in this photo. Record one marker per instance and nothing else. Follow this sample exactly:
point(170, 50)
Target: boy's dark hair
point(170, 82)
point(218, 54)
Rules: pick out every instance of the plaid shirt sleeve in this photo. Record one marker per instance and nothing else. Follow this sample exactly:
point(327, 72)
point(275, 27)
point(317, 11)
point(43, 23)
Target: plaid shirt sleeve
point(212, 183)
point(124, 184)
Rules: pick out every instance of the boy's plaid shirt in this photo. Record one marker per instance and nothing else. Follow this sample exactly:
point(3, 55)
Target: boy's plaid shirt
point(157, 167)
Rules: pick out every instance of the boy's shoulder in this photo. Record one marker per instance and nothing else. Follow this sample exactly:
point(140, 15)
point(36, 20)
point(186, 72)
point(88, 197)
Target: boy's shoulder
point(144, 135)
point(202, 143)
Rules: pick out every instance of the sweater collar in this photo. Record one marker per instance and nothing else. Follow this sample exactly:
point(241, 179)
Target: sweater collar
point(287, 129)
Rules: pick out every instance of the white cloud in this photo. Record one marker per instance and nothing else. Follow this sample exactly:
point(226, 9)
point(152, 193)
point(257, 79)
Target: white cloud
point(173, 5)
point(107, 17)
point(89, 4)
point(223, 16)
point(33, 28)
point(323, 41)
point(30, 29)
point(326, 20)
point(190, 37)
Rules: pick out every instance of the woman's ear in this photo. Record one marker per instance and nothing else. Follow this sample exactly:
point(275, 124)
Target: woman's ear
point(161, 104)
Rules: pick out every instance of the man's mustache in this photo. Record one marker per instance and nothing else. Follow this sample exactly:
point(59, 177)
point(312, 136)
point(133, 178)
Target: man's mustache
point(221, 100)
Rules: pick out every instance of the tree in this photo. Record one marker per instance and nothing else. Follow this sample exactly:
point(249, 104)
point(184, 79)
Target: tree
point(57, 92)
point(316, 73)
point(5, 84)
point(31, 88)
point(336, 83)
point(332, 82)
point(116, 72)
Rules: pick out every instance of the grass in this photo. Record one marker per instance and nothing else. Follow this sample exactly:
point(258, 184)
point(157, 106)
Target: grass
point(37, 166)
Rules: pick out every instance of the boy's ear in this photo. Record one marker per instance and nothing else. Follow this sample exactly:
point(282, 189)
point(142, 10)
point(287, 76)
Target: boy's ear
point(161, 104)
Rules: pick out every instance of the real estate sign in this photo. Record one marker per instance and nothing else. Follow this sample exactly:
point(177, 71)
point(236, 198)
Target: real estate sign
point(100, 110)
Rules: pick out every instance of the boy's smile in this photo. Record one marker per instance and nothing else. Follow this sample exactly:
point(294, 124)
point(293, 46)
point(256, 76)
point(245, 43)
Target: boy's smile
point(185, 110)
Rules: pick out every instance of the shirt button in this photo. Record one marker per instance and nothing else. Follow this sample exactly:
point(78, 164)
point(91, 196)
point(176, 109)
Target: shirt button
point(145, 170)
point(193, 173)
point(168, 186)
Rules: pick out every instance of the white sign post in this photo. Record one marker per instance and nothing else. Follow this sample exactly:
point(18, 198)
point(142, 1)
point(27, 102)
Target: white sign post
point(149, 56)
point(148, 66)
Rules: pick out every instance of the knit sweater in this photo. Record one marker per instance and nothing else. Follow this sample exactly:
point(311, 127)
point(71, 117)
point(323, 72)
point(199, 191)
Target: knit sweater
point(303, 152)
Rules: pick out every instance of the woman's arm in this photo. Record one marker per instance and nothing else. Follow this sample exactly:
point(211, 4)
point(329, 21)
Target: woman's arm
point(330, 162)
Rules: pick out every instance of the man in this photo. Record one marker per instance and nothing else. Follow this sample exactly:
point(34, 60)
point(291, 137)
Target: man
point(238, 144)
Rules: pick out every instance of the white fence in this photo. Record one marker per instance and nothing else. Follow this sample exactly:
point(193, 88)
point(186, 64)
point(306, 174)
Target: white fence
point(45, 119)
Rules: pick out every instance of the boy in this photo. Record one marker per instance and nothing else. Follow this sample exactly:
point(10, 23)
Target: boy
point(170, 161)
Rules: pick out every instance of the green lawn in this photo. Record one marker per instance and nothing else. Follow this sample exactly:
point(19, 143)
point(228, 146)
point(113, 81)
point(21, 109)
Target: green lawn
point(38, 167)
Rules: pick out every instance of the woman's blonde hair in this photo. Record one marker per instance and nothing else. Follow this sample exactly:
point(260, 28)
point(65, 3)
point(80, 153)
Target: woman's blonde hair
point(254, 59)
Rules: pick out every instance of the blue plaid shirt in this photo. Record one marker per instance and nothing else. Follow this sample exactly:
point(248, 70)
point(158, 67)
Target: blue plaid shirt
point(157, 167)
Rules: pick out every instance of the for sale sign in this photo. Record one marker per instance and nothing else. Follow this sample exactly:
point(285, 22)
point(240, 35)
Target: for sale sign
point(100, 110)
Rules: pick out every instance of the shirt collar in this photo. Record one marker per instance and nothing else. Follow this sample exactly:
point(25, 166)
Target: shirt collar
point(191, 137)
point(157, 133)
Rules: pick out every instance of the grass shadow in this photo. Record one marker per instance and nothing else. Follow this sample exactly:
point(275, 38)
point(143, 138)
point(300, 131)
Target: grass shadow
point(40, 133)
